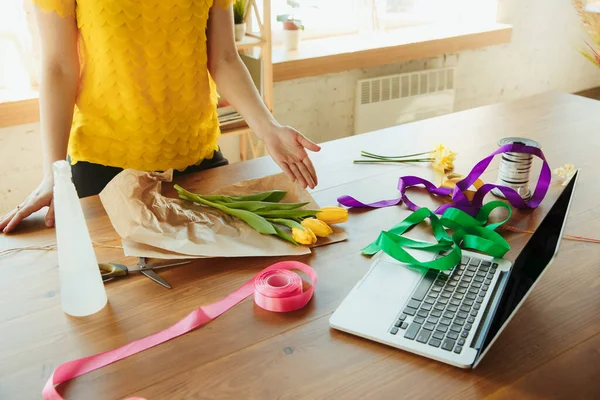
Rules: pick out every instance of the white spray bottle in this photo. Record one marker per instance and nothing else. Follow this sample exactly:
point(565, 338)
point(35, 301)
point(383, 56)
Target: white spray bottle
point(81, 287)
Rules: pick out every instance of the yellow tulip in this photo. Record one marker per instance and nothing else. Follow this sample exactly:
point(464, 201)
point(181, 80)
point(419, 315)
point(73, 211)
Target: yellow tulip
point(333, 215)
point(303, 236)
point(319, 228)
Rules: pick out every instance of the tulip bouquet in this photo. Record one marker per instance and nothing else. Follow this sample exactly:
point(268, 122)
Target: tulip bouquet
point(441, 158)
point(265, 213)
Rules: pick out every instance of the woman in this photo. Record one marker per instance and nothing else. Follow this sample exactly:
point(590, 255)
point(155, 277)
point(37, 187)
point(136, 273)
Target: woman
point(128, 84)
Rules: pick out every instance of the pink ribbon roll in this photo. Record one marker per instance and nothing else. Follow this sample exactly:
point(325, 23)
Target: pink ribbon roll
point(276, 288)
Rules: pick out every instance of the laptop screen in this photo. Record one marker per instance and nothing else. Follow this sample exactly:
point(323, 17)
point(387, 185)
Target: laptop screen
point(532, 261)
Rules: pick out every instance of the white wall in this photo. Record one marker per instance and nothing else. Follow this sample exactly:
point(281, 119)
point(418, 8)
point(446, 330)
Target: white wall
point(542, 56)
point(20, 164)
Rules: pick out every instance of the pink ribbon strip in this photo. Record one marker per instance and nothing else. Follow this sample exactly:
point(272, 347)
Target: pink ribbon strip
point(275, 288)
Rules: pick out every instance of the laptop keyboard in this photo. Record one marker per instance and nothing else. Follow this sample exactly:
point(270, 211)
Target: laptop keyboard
point(443, 308)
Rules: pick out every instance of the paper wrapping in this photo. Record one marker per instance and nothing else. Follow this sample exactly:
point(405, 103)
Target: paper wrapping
point(152, 225)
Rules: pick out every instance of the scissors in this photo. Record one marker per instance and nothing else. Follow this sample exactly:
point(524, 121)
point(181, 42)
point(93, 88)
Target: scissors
point(111, 271)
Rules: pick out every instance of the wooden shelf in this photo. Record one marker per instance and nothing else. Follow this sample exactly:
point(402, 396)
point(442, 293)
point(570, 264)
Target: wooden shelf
point(342, 53)
point(249, 42)
point(237, 128)
point(19, 112)
point(250, 147)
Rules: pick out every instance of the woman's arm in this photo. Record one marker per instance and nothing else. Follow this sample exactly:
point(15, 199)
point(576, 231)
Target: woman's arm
point(58, 84)
point(59, 77)
point(286, 146)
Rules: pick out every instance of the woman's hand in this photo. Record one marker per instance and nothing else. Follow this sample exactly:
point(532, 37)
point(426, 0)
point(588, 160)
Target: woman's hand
point(288, 147)
point(40, 197)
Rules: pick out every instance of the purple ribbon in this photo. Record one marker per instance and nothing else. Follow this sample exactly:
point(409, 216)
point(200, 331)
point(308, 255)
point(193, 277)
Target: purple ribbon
point(459, 199)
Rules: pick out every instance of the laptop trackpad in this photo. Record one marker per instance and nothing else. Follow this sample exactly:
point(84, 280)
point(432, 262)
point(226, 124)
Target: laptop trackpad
point(390, 280)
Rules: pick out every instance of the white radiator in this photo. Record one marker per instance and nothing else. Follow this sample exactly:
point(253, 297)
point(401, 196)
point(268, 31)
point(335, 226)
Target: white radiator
point(397, 99)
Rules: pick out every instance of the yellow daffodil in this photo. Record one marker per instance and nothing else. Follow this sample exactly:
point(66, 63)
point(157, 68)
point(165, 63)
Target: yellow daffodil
point(443, 158)
point(333, 215)
point(565, 173)
point(319, 228)
point(303, 236)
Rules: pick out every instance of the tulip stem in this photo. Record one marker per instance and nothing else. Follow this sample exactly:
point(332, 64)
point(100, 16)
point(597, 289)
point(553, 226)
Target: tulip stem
point(372, 155)
point(393, 161)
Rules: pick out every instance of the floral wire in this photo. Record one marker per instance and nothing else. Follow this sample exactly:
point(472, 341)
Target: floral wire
point(53, 246)
point(569, 237)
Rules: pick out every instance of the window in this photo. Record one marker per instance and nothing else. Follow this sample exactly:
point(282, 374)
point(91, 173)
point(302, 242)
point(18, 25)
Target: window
point(592, 6)
point(18, 52)
point(320, 17)
point(402, 13)
point(323, 18)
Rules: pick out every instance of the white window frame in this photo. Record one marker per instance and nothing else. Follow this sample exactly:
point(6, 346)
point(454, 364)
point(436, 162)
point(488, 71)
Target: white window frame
point(369, 16)
point(311, 31)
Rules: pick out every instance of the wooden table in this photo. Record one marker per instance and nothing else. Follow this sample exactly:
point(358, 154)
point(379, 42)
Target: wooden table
point(550, 350)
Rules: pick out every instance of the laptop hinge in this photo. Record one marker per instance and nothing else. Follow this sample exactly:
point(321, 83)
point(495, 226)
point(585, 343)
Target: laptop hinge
point(489, 314)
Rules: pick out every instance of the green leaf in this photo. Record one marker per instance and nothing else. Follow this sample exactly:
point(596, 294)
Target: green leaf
point(240, 10)
point(255, 221)
point(284, 235)
point(264, 205)
point(184, 196)
point(217, 198)
point(288, 214)
point(273, 196)
point(290, 223)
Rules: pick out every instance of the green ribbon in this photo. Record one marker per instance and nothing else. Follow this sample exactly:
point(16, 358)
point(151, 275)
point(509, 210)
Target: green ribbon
point(469, 232)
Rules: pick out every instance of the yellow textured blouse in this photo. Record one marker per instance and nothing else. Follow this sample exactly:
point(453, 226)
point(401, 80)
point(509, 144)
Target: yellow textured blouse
point(146, 100)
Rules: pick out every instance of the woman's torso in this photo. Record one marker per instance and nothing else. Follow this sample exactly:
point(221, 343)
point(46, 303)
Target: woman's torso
point(146, 100)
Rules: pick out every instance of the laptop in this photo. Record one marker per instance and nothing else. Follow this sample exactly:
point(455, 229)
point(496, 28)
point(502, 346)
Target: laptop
point(452, 316)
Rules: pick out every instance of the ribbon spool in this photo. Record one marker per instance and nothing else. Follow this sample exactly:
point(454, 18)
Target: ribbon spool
point(515, 167)
point(280, 290)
